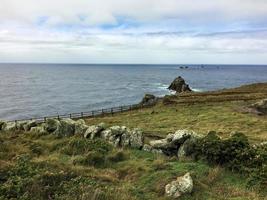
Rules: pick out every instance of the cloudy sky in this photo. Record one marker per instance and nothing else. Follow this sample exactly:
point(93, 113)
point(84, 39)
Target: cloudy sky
point(134, 31)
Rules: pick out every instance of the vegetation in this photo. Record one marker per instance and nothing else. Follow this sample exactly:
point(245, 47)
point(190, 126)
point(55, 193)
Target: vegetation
point(36, 166)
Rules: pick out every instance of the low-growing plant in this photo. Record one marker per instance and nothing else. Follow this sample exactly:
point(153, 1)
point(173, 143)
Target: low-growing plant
point(92, 158)
point(234, 153)
point(78, 146)
point(117, 156)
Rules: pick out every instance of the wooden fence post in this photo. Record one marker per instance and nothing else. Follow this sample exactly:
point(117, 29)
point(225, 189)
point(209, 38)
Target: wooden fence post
point(81, 114)
point(70, 116)
point(93, 113)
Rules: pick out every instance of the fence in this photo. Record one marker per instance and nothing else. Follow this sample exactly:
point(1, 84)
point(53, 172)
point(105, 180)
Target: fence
point(88, 114)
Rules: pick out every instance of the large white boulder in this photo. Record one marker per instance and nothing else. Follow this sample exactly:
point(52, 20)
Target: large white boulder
point(51, 125)
point(182, 185)
point(80, 127)
point(66, 128)
point(9, 126)
point(28, 125)
point(38, 130)
point(94, 131)
point(136, 138)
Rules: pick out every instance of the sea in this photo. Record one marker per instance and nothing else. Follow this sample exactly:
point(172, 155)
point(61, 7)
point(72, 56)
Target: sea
point(38, 90)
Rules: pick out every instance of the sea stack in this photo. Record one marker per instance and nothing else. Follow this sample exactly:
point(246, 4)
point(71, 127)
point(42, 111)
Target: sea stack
point(179, 85)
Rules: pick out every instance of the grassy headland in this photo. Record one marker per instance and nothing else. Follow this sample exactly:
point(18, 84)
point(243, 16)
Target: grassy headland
point(36, 166)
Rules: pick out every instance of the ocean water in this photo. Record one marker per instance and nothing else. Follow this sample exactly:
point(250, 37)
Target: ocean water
point(36, 90)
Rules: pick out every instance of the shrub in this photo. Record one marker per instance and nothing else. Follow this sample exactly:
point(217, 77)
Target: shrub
point(234, 153)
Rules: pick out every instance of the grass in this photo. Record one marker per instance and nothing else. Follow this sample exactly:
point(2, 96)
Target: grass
point(46, 167)
point(223, 117)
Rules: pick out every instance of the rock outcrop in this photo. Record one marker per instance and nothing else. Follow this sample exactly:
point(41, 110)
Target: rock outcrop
point(9, 126)
point(261, 106)
point(182, 185)
point(172, 143)
point(94, 131)
point(179, 85)
point(148, 99)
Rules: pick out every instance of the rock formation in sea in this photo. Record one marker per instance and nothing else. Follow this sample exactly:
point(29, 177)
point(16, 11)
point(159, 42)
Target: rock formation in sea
point(179, 85)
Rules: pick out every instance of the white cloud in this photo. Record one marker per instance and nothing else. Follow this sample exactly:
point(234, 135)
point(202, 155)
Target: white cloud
point(167, 31)
point(105, 11)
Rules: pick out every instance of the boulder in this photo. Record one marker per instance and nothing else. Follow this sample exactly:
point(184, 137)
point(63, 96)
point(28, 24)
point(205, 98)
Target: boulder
point(28, 125)
point(38, 130)
point(186, 148)
point(125, 139)
point(179, 85)
point(2, 124)
point(148, 99)
point(149, 148)
point(66, 128)
point(260, 106)
point(51, 125)
point(9, 126)
point(94, 131)
point(171, 144)
point(80, 127)
point(182, 185)
point(159, 144)
point(136, 138)
point(20, 124)
point(113, 135)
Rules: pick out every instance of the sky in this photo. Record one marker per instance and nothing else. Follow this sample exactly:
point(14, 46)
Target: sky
point(134, 31)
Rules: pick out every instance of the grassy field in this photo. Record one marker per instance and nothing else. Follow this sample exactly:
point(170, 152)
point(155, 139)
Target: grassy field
point(224, 111)
point(47, 167)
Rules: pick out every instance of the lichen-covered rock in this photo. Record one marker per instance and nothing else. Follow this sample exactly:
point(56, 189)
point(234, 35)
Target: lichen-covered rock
point(9, 126)
point(125, 139)
point(186, 148)
point(66, 128)
point(20, 124)
point(39, 130)
point(149, 148)
point(80, 127)
point(260, 106)
point(159, 144)
point(180, 186)
point(2, 124)
point(148, 99)
point(51, 125)
point(171, 144)
point(117, 136)
point(136, 138)
point(29, 124)
point(94, 131)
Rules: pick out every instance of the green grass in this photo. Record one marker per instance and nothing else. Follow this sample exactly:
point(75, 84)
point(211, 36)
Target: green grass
point(223, 117)
point(44, 167)
point(47, 167)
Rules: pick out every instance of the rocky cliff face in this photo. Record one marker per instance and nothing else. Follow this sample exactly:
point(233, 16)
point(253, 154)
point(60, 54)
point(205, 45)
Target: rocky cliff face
point(179, 85)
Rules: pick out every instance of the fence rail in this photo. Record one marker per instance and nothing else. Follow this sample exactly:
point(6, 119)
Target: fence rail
point(88, 114)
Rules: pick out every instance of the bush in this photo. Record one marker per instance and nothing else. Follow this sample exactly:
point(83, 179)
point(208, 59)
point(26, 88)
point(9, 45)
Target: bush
point(234, 153)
